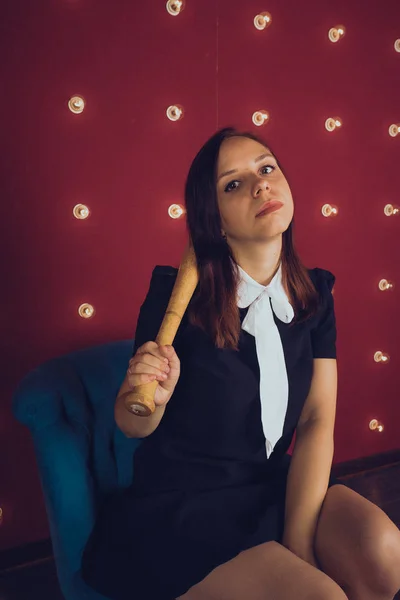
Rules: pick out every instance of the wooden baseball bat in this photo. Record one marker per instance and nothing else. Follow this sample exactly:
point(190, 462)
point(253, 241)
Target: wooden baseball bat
point(141, 400)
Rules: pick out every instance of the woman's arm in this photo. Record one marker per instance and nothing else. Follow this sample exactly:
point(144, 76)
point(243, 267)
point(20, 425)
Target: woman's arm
point(307, 485)
point(312, 457)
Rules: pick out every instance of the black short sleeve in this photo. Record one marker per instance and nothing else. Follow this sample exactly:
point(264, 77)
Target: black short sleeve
point(323, 335)
point(155, 304)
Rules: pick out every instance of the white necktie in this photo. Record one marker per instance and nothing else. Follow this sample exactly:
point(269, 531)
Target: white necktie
point(259, 322)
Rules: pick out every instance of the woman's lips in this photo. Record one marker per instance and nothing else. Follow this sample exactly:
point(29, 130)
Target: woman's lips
point(272, 206)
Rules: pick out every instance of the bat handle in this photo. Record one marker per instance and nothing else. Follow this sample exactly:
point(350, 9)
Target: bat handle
point(140, 401)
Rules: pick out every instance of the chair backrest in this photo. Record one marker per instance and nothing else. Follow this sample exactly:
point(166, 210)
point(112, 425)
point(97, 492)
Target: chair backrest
point(68, 405)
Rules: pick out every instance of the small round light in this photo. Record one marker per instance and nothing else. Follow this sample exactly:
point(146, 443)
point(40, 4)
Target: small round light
point(381, 357)
point(80, 211)
point(374, 425)
point(260, 117)
point(394, 129)
point(86, 311)
point(175, 112)
point(328, 210)
point(390, 210)
point(175, 7)
point(336, 33)
point(385, 285)
point(175, 211)
point(333, 123)
point(262, 21)
point(76, 104)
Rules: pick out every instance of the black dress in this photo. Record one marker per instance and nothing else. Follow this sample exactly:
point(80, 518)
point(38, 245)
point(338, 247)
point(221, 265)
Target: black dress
point(203, 486)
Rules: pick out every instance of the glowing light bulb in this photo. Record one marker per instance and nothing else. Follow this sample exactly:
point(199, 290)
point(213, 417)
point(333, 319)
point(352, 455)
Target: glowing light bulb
point(385, 285)
point(260, 117)
point(328, 210)
point(336, 33)
point(397, 45)
point(394, 129)
point(175, 112)
point(175, 7)
point(390, 210)
point(175, 211)
point(262, 21)
point(86, 311)
point(333, 123)
point(381, 357)
point(76, 104)
point(80, 211)
point(374, 425)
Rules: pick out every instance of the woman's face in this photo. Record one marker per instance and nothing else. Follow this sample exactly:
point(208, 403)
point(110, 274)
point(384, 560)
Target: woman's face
point(241, 194)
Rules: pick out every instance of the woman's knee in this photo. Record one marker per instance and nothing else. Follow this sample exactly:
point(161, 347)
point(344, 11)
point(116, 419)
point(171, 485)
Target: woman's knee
point(303, 581)
point(327, 589)
point(266, 572)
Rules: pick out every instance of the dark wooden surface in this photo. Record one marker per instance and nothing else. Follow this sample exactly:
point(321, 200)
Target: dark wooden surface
point(381, 485)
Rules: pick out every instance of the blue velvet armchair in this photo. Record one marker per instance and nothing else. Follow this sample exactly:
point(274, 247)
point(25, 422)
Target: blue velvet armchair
point(68, 405)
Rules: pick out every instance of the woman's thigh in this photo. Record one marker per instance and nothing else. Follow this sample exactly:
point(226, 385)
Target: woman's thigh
point(265, 572)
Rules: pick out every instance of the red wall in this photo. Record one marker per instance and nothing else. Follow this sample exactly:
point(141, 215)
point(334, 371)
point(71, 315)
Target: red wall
point(128, 162)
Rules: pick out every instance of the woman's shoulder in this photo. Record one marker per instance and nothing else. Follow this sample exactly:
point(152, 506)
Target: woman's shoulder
point(154, 306)
point(323, 279)
point(163, 279)
point(165, 271)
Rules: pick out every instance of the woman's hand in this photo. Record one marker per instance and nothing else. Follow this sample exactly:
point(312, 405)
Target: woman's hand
point(151, 362)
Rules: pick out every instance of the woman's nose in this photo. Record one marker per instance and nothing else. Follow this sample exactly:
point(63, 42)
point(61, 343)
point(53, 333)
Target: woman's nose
point(261, 185)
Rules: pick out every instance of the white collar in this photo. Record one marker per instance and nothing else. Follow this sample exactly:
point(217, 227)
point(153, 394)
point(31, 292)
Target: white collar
point(259, 322)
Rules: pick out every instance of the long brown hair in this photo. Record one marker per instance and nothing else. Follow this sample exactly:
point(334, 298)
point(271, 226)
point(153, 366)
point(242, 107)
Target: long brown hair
point(213, 306)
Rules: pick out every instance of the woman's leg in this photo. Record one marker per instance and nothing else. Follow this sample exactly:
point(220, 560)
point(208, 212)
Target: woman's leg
point(265, 572)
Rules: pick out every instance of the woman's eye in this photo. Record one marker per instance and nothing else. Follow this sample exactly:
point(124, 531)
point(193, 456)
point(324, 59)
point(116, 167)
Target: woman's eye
point(235, 180)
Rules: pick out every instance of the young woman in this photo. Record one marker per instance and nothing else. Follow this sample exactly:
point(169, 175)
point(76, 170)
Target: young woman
point(218, 510)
